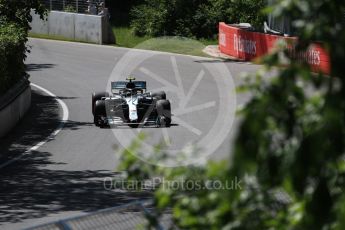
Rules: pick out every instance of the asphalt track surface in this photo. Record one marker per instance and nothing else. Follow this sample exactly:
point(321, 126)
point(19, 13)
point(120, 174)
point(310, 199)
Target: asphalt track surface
point(64, 177)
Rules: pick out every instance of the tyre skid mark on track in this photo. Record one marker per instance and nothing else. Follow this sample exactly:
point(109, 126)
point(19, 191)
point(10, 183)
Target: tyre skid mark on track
point(52, 135)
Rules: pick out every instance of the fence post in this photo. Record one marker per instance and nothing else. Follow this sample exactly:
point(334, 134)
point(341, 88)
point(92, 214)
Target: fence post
point(77, 6)
point(51, 5)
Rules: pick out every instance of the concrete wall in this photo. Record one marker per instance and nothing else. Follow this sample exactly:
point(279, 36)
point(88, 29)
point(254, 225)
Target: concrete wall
point(13, 109)
point(61, 24)
point(80, 27)
point(88, 28)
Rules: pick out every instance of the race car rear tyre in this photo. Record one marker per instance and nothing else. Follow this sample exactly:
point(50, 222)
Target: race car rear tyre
point(164, 113)
point(161, 95)
point(97, 96)
point(100, 111)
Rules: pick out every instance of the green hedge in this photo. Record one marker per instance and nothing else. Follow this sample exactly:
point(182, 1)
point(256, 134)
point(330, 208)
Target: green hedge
point(12, 55)
point(193, 18)
point(14, 26)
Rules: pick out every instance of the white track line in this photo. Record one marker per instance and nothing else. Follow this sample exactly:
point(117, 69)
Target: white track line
point(52, 135)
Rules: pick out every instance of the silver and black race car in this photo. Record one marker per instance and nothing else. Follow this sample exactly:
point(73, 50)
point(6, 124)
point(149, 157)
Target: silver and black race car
point(129, 104)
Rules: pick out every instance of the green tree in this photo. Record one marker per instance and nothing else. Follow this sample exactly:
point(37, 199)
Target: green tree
point(14, 26)
point(193, 18)
point(18, 11)
point(290, 150)
point(12, 44)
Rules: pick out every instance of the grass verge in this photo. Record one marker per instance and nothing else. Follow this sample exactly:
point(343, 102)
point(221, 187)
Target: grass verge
point(125, 38)
point(55, 37)
point(174, 45)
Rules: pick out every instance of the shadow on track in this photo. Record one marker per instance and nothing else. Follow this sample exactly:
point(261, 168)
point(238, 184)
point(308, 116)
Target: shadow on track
point(28, 190)
point(40, 121)
point(38, 67)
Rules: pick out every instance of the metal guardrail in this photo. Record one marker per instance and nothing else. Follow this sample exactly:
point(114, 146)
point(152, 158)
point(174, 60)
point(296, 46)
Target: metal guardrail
point(75, 6)
point(130, 216)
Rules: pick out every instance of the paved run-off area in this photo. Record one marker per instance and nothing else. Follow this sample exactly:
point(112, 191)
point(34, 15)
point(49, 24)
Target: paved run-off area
point(64, 177)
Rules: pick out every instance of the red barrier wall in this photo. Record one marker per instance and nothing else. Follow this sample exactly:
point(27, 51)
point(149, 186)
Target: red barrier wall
point(247, 45)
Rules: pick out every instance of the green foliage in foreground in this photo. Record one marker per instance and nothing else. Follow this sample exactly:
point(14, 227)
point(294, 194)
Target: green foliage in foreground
point(14, 26)
point(193, 18)
point(290, 150)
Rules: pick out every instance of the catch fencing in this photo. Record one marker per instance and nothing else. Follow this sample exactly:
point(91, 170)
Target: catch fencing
point(74, 6)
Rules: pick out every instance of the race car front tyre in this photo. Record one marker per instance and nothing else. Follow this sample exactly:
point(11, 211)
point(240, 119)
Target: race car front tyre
point(100, 112)
point(133, 126)
point(164, 113)
point(161, 95)
point(96, 97)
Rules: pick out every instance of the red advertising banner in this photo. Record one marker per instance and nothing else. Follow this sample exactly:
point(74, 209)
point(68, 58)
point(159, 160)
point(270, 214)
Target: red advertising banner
point(247, 45)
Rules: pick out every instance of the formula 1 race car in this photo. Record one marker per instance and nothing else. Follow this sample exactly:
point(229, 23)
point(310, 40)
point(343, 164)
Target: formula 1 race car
point(130, 104)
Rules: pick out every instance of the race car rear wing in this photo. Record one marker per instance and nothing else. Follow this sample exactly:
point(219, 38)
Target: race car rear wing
point(120, 85)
